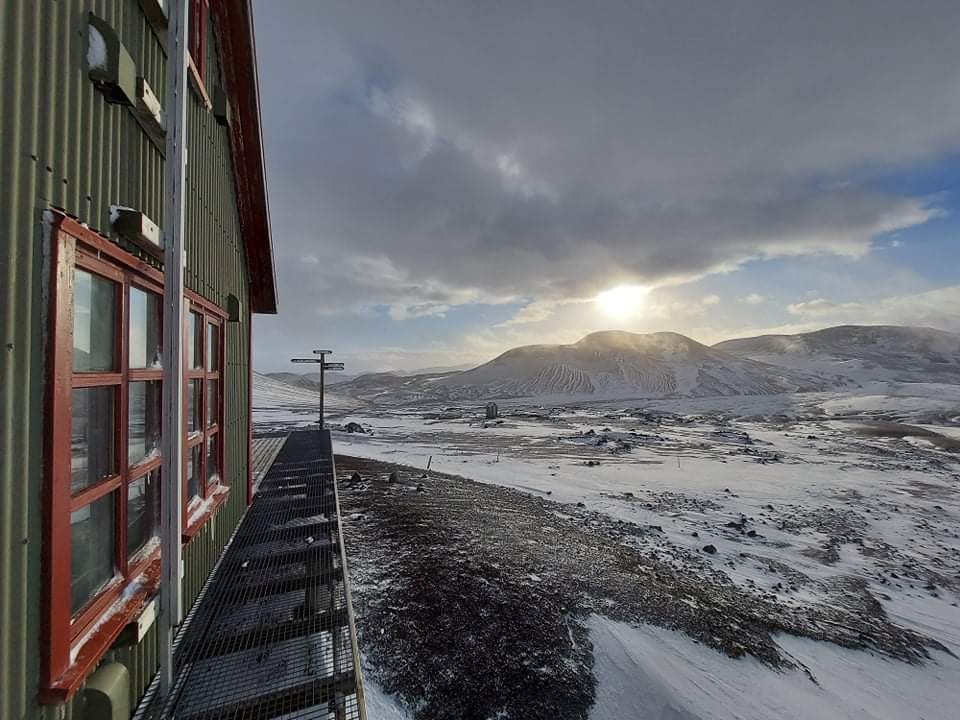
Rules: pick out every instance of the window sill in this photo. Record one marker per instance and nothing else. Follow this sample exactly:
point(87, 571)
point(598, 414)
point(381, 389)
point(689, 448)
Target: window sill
point(196, 83)
point(95, 645)
point(206, 510)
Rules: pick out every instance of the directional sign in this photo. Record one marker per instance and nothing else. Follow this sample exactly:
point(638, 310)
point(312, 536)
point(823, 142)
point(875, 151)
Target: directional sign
point(305, 360)
point(323, 352)
point(333, 366)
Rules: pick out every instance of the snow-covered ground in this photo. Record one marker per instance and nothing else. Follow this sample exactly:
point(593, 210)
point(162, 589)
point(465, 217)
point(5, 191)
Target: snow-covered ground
point(807, 500)
point(658, 674)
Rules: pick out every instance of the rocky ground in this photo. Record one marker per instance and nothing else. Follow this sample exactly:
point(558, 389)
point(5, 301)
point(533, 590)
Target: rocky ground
point(472, 598)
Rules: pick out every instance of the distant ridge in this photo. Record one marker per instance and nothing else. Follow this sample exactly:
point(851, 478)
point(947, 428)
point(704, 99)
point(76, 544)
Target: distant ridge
point(859, 353)
point(622, 364)
point(608, 364)
point(616, 364)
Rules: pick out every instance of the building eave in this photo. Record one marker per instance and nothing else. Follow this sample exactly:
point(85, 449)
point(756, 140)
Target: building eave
point(235, 21)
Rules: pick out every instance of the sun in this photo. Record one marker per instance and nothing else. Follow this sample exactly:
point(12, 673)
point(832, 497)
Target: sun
point(622, 301)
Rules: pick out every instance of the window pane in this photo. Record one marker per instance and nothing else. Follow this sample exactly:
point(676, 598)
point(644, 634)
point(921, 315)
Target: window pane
point(94, 322)
point(144, 422)
point(195, 341)
point(91, 550)
point(145, 329)
point(213, 402)
point(92, 449)
point(193, 472)
point(213, 459)
point(194, 418)
point(213, 346)
point(143, 511)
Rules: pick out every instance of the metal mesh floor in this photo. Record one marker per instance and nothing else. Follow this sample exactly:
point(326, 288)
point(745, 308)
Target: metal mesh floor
point(263, 452)
point(271, 636)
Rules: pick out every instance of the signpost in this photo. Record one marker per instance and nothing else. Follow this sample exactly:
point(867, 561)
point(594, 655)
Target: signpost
point(324, 365)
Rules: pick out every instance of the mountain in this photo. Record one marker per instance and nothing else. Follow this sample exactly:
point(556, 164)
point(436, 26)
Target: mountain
point(854, 354)
point(309, 380)
point(602, 365)
point(271, 391)
point(394, 389)
point(614, 364)
point(623, 365)
point(440, 369)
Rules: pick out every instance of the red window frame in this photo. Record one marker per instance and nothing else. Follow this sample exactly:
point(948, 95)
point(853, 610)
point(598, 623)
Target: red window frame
point(198, 508)
point(74, 642)
point(199, 17)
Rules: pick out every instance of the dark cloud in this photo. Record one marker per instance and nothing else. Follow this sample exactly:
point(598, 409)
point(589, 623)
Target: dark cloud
point(428, 154)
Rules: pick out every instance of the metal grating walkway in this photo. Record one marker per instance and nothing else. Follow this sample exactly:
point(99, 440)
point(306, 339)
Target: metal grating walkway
point(262, 454)
point(272, 635)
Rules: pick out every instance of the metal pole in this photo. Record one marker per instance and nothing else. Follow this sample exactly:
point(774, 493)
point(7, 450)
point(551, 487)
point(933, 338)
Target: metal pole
point(321, 391)
point(174, 260)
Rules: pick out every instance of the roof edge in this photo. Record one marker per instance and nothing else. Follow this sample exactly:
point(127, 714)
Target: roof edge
point(235, 22)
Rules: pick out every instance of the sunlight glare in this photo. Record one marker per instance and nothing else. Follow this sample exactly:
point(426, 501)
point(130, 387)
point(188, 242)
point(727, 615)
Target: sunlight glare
point(622, 301)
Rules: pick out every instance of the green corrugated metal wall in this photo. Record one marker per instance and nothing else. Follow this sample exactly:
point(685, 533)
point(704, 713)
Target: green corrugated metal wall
point(64, 146)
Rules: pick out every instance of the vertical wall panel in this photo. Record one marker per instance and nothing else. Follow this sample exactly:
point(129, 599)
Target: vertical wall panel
point(64, 146)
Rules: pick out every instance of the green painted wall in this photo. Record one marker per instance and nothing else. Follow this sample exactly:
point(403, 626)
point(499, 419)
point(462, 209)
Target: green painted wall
point(62, 145)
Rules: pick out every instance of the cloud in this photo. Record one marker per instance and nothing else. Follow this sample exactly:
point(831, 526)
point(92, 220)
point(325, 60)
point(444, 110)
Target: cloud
point(711, 300)
point(753, 299)
point(532, 312)
point(939, 308)
point(454, 153)
point(819, 306)
point(406, 312)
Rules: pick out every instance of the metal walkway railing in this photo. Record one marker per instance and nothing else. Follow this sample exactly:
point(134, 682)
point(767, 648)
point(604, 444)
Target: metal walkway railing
point(272, 635)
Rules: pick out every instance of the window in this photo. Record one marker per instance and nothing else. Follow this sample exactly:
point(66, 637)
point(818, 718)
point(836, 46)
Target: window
point(104, 429)
point(143, 511)
point(199, 15)
point(204, 359)
point(115, 401)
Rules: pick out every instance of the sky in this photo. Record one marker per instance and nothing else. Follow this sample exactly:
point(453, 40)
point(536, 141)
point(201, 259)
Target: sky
point(451, 179)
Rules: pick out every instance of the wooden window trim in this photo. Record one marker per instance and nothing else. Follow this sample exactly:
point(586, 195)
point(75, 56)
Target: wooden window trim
point(95, 492)
point(198, 50)
point(199, 17)
point(196, 83)
point(212, 495)
point(144, 468)
point(73, 644)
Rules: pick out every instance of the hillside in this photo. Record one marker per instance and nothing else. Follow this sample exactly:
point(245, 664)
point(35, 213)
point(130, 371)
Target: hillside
point(309, 380)
point(854, 354)
point(616, 364)
point(602, 365)
point(622, 364)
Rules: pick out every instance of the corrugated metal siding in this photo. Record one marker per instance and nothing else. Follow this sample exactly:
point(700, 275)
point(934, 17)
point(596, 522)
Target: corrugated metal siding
point(64, 146)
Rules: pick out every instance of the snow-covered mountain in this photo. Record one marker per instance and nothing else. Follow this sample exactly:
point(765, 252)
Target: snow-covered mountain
point(602, 365)
point(310, 380)
point(855, 354)
point(621, 364)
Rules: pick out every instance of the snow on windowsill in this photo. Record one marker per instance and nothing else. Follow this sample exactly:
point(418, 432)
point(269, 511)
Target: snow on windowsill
point(151, 546)
point(206, 505)
point(152, 455)
point(118, 606)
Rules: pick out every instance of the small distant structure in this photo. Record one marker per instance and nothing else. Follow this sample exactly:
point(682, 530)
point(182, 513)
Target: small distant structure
point(493, 412)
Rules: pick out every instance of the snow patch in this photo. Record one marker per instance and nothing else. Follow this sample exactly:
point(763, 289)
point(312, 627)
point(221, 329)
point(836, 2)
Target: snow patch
point(115, 210)
point(118, 606)
point(96, 55)
point(380, 705)
point(664, 675)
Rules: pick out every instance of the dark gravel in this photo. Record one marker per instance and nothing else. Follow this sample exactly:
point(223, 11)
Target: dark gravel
point(471, 597)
